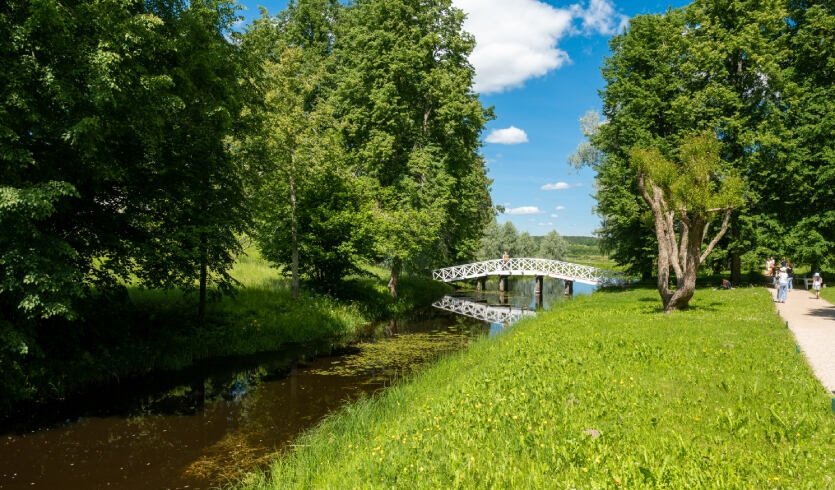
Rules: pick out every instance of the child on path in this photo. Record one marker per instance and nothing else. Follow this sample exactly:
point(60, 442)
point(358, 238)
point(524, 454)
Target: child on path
point(817, 282)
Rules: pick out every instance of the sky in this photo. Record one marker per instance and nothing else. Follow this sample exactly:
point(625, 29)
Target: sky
point(538, 65)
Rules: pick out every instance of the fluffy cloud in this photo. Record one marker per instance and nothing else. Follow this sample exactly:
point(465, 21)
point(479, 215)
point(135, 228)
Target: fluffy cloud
point(555, 216)
point(518, 39)
point(600, 17)
point(523, 210)
point(507, 136)
point(559, 208)
point(558, 186)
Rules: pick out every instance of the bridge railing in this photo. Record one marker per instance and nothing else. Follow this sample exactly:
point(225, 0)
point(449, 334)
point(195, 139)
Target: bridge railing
point(526, 266)
point(481, 311)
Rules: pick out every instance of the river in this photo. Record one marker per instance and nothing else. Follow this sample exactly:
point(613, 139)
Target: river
point(208, 425)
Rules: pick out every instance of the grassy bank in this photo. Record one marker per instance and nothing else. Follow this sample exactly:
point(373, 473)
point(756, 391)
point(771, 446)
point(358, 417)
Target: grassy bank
point(156, 330)
point(605, 392)
point(828, 293)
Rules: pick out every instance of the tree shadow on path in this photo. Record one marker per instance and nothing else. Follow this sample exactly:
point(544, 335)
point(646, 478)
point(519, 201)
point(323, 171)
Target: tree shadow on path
point(827, 313)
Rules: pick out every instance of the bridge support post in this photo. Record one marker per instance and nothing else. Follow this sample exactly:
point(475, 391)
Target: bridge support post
point(537, 292)
point(569, 288)
point(503, 284)
point(480, 283)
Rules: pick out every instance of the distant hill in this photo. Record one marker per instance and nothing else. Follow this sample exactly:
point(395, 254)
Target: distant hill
point(582, 240)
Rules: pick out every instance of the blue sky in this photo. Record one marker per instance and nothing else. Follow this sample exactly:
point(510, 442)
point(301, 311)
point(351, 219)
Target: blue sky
point(538, 64)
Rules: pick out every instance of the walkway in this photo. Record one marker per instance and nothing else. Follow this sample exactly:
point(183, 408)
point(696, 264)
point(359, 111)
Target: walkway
point(812, 321)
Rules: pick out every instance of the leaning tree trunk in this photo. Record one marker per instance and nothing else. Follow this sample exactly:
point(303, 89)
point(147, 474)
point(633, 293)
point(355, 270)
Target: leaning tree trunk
point(396, 265)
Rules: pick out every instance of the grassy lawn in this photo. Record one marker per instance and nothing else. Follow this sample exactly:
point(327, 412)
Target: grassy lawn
point(605, 392)
point(828, 294)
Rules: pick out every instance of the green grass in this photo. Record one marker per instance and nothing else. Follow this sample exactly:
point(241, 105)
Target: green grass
point(605, 392)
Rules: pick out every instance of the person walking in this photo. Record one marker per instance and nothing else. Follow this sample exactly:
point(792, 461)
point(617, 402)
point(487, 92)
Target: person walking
point(817, 283)
point(782, 285)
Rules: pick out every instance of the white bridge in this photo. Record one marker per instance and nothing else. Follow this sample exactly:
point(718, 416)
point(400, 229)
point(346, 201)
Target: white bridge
point(529, 267)
point(481, 311)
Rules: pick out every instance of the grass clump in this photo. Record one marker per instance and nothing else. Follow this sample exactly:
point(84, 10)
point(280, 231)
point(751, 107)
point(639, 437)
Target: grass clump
point(605, 392)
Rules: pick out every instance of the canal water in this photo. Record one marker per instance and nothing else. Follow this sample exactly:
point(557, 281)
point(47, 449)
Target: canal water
point(206, 426)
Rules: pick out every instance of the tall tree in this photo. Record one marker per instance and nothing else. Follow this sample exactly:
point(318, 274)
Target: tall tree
point(411, 125)
point(197, 211)
point(307, 205)
point(804, 140)
point(712, 65)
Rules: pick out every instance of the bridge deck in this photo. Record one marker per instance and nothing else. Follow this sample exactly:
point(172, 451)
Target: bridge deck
point(528, 267)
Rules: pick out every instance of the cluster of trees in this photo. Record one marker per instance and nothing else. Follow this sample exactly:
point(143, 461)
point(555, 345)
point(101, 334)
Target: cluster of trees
point(757, 76)
point(498, 239)
point(141, 139)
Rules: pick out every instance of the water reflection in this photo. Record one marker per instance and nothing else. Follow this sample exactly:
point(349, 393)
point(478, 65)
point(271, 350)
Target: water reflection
point(499, 309)
point(208, 430)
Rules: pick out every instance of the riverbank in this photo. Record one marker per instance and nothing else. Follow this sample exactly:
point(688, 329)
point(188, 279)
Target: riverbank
point(149, 331)
point(603, 392)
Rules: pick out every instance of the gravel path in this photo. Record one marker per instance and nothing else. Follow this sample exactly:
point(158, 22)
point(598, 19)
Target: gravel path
point(812, 321)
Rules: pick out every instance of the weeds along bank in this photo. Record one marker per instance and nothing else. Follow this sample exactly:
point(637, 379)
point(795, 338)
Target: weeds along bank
point(155, 330)
point(602, 393)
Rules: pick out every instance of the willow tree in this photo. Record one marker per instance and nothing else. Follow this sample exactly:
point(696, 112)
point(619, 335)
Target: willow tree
point(685, 195)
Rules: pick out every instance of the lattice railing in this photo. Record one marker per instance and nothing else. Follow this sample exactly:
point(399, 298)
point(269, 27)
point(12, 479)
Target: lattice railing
point(529, 267)
point(481, 311)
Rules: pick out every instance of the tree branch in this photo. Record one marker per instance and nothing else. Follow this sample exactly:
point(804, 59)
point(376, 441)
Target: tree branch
point(725, 221)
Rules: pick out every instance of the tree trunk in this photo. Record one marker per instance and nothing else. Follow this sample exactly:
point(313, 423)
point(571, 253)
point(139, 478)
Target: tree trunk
point(396, 265)
point(736, 260)
point(686, 281)
point(204, 272)
point(294, 233)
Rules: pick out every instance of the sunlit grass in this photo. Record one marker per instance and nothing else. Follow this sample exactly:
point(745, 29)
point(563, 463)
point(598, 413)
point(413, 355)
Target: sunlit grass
point(605, 392)
point(828, 294)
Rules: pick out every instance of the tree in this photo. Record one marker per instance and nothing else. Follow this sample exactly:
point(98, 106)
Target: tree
point(804, 138)
point(525, 246)
point(306, 205)
point(643, 83)
point(196, 210)
point(553, 246)
point(411, 126)
point(684, 196)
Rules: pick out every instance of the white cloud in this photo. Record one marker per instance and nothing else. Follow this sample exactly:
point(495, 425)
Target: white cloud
point(555, 216)
point(523, 210)
point(558, 186)
point(600, 17)
point(507, 136)
point(559, 208)
point(519, 39)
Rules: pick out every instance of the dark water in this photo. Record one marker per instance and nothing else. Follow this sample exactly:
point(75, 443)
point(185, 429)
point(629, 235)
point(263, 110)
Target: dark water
point(205, 427)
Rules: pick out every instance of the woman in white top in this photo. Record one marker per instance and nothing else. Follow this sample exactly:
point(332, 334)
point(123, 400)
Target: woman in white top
point(782, 285)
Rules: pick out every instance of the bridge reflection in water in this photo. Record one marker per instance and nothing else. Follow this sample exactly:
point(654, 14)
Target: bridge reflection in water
point(501, 309)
